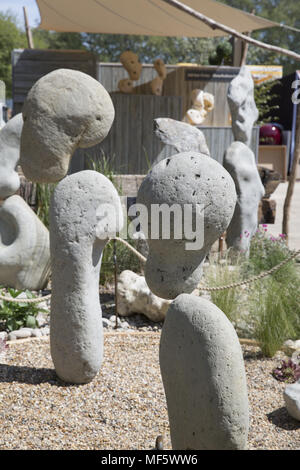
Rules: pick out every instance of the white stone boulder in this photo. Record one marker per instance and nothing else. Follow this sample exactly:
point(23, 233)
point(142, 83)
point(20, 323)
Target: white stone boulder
point(291, 396)
point(10, 136)
point(198, 197)
point(134, 296)
point(85, 212)
point(244, 112)
point(64, 110)
point(24, 246)
point(204, 377)
point(239, 161)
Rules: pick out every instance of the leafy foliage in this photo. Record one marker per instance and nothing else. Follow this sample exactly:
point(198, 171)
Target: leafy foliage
point(264, 96)
point(15, 315)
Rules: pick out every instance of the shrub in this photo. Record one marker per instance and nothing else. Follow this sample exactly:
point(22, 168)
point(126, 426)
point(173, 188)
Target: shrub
point(15, 315)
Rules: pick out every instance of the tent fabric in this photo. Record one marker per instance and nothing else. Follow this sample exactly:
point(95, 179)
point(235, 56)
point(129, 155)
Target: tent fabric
point(146, 17)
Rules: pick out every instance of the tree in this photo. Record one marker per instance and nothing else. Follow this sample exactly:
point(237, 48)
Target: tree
point(280, 11)
point(10, 38)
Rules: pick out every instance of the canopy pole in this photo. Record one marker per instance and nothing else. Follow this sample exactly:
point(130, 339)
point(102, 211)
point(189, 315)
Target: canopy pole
point(28, 30)
point(215, 25)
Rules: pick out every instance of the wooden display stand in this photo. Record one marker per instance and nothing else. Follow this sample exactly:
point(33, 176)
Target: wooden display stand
point(274, 157)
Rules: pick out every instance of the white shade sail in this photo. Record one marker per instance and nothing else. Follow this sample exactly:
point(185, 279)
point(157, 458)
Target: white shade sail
point(146, 17)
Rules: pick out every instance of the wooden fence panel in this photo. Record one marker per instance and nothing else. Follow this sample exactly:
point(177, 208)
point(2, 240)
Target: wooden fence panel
point(31, 64)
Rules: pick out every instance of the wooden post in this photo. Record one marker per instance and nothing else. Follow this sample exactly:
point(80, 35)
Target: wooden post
point(28, 30)
point(292, 179)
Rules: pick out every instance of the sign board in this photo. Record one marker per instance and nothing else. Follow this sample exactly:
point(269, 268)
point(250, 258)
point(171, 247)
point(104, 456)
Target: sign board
point(265, 73)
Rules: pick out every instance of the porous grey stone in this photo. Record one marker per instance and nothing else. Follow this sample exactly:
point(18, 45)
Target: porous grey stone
point(64, 110)
point(204, 377)
point(85, 211)
point(24, 246)
point(23, 333)
point(291, 396)
point(134, 296)
point(239, 161)
point(174, 265)
point(244, 112)
point(10, 136)
point(179, 137)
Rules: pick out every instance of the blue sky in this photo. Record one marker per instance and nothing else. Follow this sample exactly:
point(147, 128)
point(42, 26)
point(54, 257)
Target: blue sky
point(16, 7)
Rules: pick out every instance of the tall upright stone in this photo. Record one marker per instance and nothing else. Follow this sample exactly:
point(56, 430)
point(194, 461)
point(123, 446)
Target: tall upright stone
point(244, 112)
point(239, 161)
point(85, 212)
point(204, 377)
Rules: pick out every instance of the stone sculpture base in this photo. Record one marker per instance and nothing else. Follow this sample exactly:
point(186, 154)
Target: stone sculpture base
point(204, 377)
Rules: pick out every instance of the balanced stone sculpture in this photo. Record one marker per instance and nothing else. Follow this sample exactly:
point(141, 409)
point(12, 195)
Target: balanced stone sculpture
point(85, 212)
point(178, 137)
point(186, 179)
point(10, 136)
point(64, 109)
point(130, 62)
point(244, 112)
point(24, 246)
point(204, 377)
point(239, 161)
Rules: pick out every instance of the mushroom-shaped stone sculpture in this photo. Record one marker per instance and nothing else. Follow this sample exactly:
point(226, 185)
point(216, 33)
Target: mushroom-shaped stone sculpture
point(64, 109)
point(85, 212)
point(199, 194)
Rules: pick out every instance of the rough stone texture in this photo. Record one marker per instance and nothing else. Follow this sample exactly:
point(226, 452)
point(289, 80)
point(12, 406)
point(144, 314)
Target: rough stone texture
point(156, 86)
point(204, 378)
point(180, 136)
point(125, 85)
point(134, 296)
point(24, 246)
point(85, 212)
point(291, 396)
point(244, 112)
point(160, 68)
point(64, 110)
point(9, 155)
point(186, 178)
point(239, 161)
point(130, 62)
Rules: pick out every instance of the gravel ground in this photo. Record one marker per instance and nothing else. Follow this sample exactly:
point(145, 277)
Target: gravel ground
point(124, 407)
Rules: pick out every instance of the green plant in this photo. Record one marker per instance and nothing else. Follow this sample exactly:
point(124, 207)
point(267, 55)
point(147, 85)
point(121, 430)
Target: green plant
point(104, 165)
point(15, 315)
point(273, 301)
point(222, 54)
point(221, 273)
point(43, 196)
point(288, 372)
point(125, 260)
point(275, 314)
point(264, 97)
